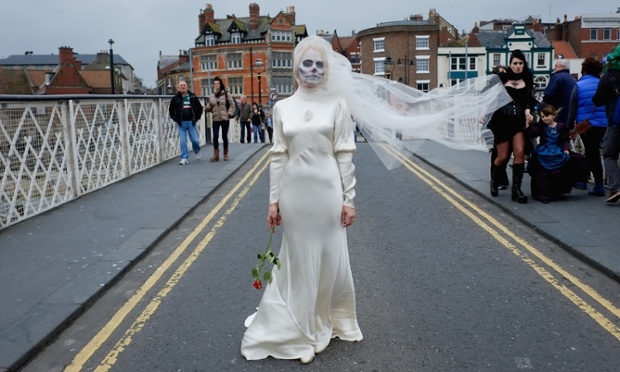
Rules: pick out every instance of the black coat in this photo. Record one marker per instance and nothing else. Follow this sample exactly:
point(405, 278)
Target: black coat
point(176, 108)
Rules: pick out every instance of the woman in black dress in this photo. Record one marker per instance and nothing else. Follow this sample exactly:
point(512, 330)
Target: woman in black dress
point(509, 122)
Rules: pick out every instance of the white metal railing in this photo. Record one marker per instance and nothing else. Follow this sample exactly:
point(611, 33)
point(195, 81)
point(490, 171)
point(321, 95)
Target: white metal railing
point(56, 148)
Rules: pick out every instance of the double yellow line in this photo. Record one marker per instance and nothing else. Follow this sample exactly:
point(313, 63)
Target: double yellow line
point(501, 233)
point(106, 332)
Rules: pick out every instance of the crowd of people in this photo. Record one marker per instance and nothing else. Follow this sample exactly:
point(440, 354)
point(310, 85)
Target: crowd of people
point(544, 134)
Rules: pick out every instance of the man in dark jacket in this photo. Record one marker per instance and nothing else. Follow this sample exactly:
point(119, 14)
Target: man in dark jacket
point(244, 119)
point(185, 109)
point(559, 89)
point(607, 93)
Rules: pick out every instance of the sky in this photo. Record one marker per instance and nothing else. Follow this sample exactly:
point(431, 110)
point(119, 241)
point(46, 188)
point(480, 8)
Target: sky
point(142, 28)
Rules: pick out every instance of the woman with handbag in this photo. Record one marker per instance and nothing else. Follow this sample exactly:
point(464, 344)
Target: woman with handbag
point(509, 122)
point(581, 109)
point(222, 106)
point(257, 116)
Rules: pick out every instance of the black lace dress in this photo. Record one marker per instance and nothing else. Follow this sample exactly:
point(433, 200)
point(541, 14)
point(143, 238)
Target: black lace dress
point(510, 119)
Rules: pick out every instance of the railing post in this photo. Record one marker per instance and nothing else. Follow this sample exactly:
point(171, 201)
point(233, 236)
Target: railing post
point(159, 130)
point(69, 130)
point(125, 133)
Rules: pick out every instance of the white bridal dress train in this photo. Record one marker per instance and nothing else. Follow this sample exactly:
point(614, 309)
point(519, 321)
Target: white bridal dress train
point(311, 299)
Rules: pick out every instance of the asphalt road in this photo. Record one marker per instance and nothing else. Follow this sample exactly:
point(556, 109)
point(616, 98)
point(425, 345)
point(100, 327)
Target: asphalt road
point(444, 280)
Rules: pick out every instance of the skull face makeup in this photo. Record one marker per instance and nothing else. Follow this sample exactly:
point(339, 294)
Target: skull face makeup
point(311, 68)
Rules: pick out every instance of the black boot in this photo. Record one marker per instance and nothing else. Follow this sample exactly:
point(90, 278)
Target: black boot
point(494, 188)
point(517, 178)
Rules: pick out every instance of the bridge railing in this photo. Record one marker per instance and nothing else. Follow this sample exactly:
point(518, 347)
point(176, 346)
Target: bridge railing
point(55, 149)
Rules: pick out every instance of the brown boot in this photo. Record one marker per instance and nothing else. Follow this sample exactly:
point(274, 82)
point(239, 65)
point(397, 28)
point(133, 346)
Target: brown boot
point(225, 154)
point(216, 155)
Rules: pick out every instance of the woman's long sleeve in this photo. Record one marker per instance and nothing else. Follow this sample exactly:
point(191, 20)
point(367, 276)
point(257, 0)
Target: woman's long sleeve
point(344, 147)
point(279, 158)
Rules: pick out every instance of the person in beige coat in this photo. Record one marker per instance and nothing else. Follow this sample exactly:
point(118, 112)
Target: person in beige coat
point(221, 105)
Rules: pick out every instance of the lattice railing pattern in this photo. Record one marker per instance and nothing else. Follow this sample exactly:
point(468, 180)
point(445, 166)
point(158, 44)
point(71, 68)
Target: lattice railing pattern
point(52, 151)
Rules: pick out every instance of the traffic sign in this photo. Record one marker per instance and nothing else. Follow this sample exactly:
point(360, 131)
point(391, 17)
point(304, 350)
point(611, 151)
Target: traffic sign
point(273, 95)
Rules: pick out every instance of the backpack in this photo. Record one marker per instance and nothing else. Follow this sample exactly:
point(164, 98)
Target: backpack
point(237, 109)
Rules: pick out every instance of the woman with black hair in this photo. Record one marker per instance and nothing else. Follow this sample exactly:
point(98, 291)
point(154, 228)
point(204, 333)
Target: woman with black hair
point(510, 121)
point(222, 105)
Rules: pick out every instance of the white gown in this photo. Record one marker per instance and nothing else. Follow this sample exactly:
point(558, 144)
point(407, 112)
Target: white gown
point(311, 298)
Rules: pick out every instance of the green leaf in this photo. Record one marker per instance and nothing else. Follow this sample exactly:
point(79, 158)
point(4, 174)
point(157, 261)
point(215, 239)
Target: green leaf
point(267, 276)
point(255, 273)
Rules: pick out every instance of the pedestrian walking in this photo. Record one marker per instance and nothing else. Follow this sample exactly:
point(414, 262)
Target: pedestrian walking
point(221, 105)
point(185, 109)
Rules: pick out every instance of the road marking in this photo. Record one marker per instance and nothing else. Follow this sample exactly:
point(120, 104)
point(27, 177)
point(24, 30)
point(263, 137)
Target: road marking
point(445, 190)
point(104, 334)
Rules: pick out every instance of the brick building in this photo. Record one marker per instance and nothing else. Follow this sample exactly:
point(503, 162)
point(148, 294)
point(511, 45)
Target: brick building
point(410, 48)
point(589, 35)
point(245, 51)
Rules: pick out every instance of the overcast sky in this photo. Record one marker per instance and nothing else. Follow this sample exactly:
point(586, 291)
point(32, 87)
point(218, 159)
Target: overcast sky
point(143, 28)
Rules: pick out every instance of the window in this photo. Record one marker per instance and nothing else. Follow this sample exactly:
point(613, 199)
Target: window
point(460, 64)
point(540, 82)
point(235, 85)
point(497, 59)
point(422, 64)
point(282, 36)
point(422, 42)
point(206, 86)
point(355, 58)
point(423, 86)
point(541, 60)
point(235, 38)
point(208, 63)
point(379, 66)
point(209, 40)
point(282, 84)
point(280, 60)
point(607, 34)
point(233, 61)
point(379, 44)
point(593, 34)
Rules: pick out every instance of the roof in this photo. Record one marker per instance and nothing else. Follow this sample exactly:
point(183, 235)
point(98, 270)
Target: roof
point(564, 50)
point(497, 39)
point(14, 82)
point(97, 78)
point(52, 59)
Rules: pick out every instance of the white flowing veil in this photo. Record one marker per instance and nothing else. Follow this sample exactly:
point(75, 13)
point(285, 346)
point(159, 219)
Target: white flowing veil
point(391, 114)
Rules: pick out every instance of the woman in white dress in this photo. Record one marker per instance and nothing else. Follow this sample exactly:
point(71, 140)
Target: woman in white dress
point(311, 299)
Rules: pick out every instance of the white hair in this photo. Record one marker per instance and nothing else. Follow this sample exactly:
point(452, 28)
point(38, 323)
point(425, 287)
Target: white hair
point(565, 63)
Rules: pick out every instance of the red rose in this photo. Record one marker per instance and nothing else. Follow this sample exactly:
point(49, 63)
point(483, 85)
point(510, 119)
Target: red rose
point(258, 284)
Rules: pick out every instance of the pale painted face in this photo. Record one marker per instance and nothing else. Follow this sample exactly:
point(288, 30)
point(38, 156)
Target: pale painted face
point(311, 68)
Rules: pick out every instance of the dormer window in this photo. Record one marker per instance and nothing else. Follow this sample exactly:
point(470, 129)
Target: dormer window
point(235, 37)
point(209, 40)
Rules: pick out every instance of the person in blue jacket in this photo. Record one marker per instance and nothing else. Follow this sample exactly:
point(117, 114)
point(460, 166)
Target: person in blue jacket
point(581, 108)
point(559, 89)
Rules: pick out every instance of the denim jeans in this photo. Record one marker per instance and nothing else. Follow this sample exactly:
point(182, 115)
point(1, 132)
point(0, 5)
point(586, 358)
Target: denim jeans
point(258, 132)
point(184, 128)
point(611, 149)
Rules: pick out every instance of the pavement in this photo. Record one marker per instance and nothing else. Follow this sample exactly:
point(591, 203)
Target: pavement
point(53, 266)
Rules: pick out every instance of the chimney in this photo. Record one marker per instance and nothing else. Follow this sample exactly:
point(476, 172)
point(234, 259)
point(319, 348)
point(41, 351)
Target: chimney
point(417, 17)
point(183, 57)
point(290, 14)
point(209, 14)
point(65, 54)
point(201, 22)
point(254, 16)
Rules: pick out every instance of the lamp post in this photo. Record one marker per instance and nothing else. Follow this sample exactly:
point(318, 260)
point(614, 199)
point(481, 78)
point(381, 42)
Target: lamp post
point(407, 62)
point(388, 66)
point(260, 67)
point(111, 65)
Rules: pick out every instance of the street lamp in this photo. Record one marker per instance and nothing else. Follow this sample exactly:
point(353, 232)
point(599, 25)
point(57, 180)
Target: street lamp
point(111, 65)
point(388, 66)
point(407, 63)
point(260, 67)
